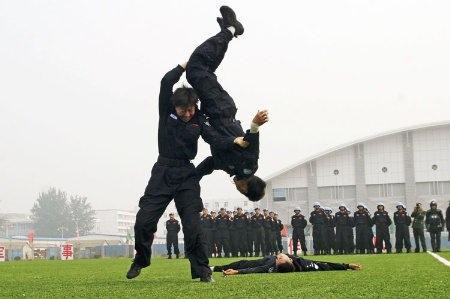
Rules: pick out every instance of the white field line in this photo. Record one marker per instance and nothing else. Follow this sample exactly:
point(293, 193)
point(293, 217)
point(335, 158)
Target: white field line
point(439, 258)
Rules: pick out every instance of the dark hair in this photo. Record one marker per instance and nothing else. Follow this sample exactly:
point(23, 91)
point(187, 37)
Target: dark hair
point(256, 188)
point(184, 97)
point(285, 267)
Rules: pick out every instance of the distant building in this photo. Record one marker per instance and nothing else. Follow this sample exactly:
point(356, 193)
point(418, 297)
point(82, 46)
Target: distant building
point(16, 224)
point(114, 222)
point(409, 165)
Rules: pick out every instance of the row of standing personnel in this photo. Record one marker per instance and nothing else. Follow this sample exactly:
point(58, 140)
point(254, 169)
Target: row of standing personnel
point(244, 234)
point(335, 232)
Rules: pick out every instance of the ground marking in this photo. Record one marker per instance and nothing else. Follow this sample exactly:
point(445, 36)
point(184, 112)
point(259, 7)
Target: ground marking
point(439, 258)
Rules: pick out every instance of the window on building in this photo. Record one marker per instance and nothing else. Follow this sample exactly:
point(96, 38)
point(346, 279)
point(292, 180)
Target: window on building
point(206, 205)
point(433, 188)
point(225, 204)
point(245, 203)
point(279, 194)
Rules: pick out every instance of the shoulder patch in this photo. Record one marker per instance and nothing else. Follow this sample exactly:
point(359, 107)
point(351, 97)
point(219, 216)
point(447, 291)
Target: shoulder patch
point(173, 116)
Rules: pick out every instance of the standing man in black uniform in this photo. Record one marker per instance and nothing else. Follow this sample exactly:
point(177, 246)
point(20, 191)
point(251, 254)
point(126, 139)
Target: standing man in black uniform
point(382, 222)
point(258, 229)
point(279, 228)
point(319, 220)
point(331, 235)
point(172, 227)
point(268, 233)
point(223, 233)
point(418, 225)
point(250, 234)
point(174, 176)
point(240, 227)
point(214, 233)
point(232, 230)
point(341, 220)
point(447, 219)
point(435, 225)
point(362, 223)
point(298, 223)
point(207, 225)
point(402, 220)
point(217, 104)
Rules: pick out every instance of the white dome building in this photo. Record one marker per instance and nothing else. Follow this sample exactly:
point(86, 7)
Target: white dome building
point(409, 165)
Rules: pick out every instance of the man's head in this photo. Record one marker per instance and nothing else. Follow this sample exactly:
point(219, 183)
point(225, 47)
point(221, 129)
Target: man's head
point(171, 216)
point(316, 206)
point(433, 204)
point(297, 210)
point(223, 211)
point(253, 187)
point(266, 212)
point(239, 211)
point(257, 211)
point(185, 100)
point(380, 206)
point(205, 212)
point(360, 207)
point(284, 263)
point(399, 206)
point(275, 215)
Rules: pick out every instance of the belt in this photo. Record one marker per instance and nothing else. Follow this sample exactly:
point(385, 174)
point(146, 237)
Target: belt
point(173, 162)
point(217, 122)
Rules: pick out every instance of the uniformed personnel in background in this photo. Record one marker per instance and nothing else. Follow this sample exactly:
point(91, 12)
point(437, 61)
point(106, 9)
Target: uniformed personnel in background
point(258, 230)
point(318, 219)
point(223, 234)
point(418, 226)
point(279, 228)
point(341, 220)
point(447, 219)
point(232, 238)
point(435, 225)
point(298, 223)
point(207, 225)
point(402, 222)
point(250, 233)
point(382, 221)
point(268, 233)
point(240, 227)
point(331, 235)
point(172, 227)
point(362, 223)
point(214, 234)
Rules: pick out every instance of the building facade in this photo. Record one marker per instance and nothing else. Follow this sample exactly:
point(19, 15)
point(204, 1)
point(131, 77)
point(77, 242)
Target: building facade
point(410, 165)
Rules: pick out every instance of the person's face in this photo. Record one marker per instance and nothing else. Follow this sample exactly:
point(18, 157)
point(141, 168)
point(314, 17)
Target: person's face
point(223, 212)
point(297, 212)
point(400, 208)
point(185, 113)
point(282, 258)
point(275, 217)
point(213, 214)
point(380, 208)
point(172, 217)
point(316, 208)
point(361, 208)
point(434, 207)
point(205, 212)
point(239, 212)
point(342, 209)
point(257, 212)
point(241, 185)
point(266, 213)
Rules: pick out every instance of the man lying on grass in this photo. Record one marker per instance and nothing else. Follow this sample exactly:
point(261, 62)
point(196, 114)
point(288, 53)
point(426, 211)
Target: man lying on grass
point(280, 264)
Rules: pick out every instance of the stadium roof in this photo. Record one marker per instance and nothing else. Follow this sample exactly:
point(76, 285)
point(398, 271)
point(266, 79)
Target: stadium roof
point(357, 141)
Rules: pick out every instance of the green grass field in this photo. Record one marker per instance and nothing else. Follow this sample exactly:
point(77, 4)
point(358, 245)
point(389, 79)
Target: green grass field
point(415, 275)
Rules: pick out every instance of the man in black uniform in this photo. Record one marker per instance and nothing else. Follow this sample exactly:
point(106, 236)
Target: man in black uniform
point(240, 229)
point(319, 220)
point(222, 223)
point(341, 220)
point(402, 220)
point(298, 222)
point(435, 225)
point(363, 224)
point(172, 227)
point(214, 233)
point(382, 222)
point(258, 230)
point(268, 233)
point(207, 225)
point(279, 228)
point(217, 104)
point(232, 238)
point(174, 176)
point(281, 263)
point(331, 235)
point(250, 234)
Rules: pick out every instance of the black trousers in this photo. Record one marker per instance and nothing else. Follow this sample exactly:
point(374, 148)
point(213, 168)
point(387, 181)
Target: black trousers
point(362, 237)
point(223, 241)
point(182, 185)
point(209, 240)
point(215, 101)
point(279, 241)
point(319, 237)
point(241, 240)
point(298, 235)
point(268, 241)
point(260, 244)
point(382, 233)
point(250, 240)
point(435, 235)
point(172, 239)
point(402, 236)
point(342, 239)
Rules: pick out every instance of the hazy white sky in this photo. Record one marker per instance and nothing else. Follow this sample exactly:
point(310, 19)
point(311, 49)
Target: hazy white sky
point(79, 83)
